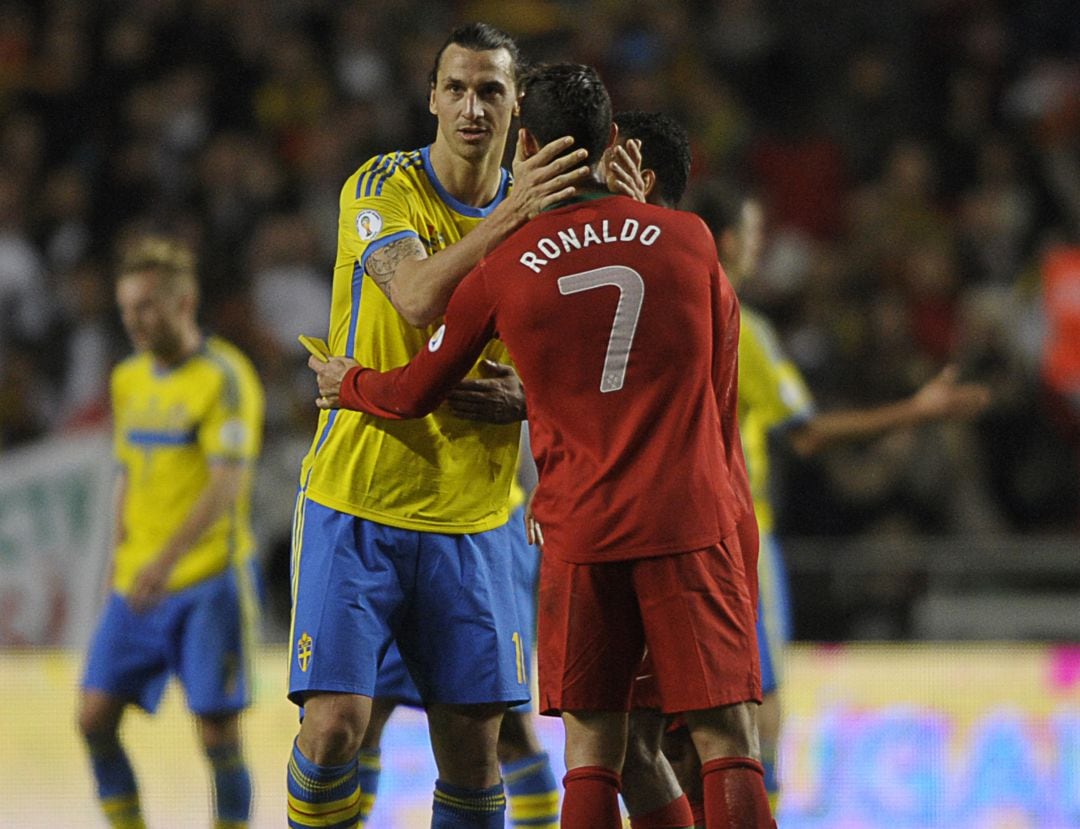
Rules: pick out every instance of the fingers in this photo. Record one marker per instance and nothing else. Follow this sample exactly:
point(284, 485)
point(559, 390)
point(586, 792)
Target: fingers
point(495, 369)
point(624, 171)
point(557, 174)
point(519, 148)
point(551, 150)
point(533, 534)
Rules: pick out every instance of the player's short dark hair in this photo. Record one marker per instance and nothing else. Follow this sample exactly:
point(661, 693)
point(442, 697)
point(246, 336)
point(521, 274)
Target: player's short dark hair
point(720, 205)
point(567, 99)
point(478, 37)
point(665, 149)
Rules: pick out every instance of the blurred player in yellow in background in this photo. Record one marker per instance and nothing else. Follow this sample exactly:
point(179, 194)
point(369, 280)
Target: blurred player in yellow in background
point(188, 420)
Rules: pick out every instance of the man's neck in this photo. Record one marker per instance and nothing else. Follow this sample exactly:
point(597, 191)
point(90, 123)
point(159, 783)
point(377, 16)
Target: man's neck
point(190, 343)
point(474, 182)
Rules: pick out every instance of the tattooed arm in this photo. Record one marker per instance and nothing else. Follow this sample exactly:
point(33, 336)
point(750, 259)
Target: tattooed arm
point(383, 267)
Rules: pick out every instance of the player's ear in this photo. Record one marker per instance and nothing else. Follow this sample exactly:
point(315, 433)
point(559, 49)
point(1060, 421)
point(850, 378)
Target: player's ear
point(431, 101)
point(649, 177)
point(530, 145)
point(517, 104)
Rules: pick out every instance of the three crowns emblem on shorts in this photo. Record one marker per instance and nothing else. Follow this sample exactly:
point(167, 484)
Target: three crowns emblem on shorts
point(303, 651)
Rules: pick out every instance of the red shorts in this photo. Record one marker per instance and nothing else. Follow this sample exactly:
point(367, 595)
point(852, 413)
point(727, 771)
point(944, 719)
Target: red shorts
point(694, 611)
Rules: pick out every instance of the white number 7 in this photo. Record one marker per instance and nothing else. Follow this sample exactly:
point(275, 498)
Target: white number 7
point(631, 293)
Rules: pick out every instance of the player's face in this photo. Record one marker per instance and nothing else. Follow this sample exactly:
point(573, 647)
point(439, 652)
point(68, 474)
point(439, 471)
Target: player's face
point(153, 317)
point(741, 245)
point(474, 99)
point(751, 237)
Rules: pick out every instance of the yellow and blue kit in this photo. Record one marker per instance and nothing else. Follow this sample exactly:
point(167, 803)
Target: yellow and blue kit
point(400, 528)
point(772, 395)
point(170, 426)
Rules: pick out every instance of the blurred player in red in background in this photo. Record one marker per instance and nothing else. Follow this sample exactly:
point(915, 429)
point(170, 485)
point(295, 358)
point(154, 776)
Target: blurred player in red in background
point(624, 331)
point(773, 400)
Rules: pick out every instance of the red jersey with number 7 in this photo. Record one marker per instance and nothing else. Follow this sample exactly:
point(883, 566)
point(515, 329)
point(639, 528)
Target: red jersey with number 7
point(624, 330)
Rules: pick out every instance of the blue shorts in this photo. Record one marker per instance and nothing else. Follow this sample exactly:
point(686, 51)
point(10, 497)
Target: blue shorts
point(445, 598)
point(202, 634)
point(774, 612)
point(394, 681)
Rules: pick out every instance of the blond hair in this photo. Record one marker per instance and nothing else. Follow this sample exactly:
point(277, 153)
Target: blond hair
point(171, 260)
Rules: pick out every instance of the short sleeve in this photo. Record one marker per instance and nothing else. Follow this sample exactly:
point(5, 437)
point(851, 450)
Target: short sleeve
point(231, 428)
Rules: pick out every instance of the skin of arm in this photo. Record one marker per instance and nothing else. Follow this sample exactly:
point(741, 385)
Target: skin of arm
point(942, 398)
point(220, 493)
point(119, 494)
point(419, 286)
point(417, 388)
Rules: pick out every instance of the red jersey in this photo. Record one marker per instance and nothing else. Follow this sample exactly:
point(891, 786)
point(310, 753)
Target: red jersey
point(624, 330)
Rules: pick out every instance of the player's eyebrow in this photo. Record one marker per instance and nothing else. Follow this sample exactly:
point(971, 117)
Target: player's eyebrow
point(490, 84)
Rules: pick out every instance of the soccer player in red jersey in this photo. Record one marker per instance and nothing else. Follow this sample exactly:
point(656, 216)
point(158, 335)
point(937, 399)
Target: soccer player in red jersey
point(624, 331)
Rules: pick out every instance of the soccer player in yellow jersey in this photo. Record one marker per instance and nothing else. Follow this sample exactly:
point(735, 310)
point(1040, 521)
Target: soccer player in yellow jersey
point(188, 416)
point(775, 401)
point(400, 529)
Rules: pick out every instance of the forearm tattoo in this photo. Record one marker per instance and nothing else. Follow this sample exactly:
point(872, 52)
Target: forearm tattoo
point(382, 265)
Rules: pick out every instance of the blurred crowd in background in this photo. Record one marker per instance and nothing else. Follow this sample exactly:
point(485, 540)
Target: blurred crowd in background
point(919, 161)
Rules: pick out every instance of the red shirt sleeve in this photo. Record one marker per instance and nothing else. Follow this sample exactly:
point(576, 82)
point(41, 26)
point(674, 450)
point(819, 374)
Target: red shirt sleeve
point(415, 389)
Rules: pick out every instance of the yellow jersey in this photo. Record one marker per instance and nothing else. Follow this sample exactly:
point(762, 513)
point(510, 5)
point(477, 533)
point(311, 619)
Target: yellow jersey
point(438, 473)
point(169, 427)
point(771, 393)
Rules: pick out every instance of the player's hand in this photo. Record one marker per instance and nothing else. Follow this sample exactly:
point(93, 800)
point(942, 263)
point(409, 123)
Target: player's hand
point(149, 588)
point(944, 397)
point(533, 534)
point(546, 178)
point(329, 375)
point(622, 170)
point(498, 397)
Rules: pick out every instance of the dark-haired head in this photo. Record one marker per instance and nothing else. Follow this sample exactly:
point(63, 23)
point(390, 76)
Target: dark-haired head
point(665, 149)
point(478, 37)
point(567, 99)
point(721, 206)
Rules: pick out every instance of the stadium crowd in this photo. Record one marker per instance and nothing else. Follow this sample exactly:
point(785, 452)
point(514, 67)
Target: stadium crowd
point(917, 163)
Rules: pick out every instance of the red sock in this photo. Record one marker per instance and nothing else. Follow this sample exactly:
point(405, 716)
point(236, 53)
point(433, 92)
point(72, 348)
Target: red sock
point(697, 809)
point(735, 794)
point(676, 815)
point(591, 799)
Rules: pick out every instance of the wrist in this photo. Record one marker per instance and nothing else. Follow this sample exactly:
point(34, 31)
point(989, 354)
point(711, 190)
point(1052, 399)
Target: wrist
point(348, 396)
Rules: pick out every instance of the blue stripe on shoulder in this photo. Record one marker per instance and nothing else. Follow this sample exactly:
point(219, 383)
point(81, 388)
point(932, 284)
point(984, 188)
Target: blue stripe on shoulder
point(371, 167)
point(378, 174)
